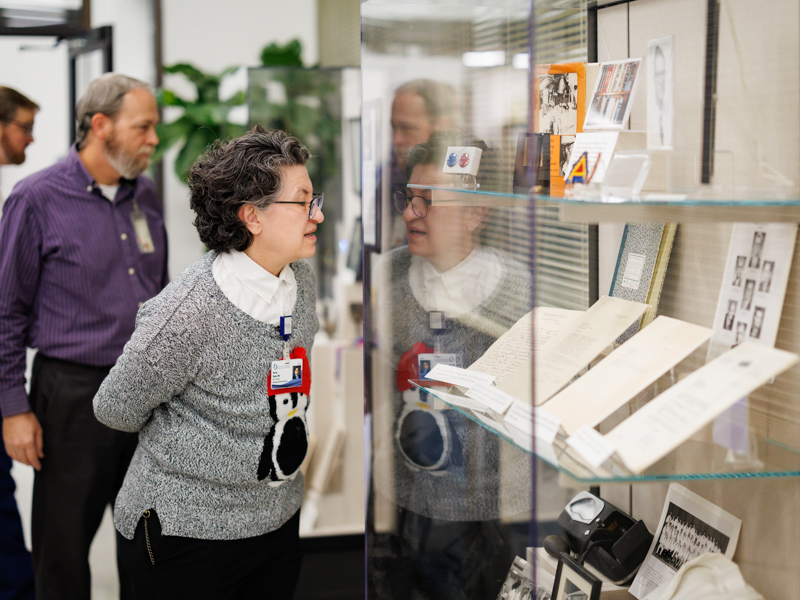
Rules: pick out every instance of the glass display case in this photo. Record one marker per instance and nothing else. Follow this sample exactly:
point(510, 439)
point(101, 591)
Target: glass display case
point(467, 473)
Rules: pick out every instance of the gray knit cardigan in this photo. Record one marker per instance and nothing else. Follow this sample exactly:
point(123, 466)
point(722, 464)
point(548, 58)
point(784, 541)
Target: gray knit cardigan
point(488, 478)
point(193, 382)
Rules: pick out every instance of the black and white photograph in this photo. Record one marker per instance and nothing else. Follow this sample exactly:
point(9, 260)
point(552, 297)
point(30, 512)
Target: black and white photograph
point(566, 151)
point(759, 237)
point(766, 276)
point(573, 582)
point(730, 315)
point(518, 583)
point(558, 104)
point(747, 295)
point(741, 261)
point(689, 526)
point(741, 331)
point(756, 274)
point(683, 536)
point(660, 77)
point(758, 320)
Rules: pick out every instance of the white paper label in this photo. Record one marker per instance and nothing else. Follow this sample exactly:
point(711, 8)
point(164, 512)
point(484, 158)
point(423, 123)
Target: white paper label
point(491, 397)
point(591, 445)
point(457, 376)
point(633, 271)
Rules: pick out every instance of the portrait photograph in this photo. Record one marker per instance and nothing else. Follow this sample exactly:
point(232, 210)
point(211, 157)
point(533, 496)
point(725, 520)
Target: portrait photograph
point(758, 321)
point(765, 281)
point(660, 77)
point(573, 582)
point(558, 104)
point(684, 536)
point(741, 261)
point(759, 237)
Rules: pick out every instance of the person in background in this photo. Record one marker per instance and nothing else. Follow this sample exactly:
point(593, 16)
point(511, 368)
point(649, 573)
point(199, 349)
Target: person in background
point(82, 247)
point(419, 108)
point(210, 507)
point(17, 114)
point(446, 294)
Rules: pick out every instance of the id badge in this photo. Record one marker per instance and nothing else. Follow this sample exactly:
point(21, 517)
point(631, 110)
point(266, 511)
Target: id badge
point(427, 361)
point(286, 373)
point(143, 238)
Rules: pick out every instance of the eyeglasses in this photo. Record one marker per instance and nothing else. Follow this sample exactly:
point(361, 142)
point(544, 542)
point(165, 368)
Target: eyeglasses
point(26, 127)
point(316, 202)
point(419, 204)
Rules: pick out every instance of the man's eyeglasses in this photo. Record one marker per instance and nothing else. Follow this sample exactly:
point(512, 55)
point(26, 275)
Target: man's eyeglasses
point(26, 127)
point(316, 202)
point(419, 204)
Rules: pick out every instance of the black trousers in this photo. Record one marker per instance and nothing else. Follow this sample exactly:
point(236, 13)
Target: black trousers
point(16, 572)
point(266, 566)
point(82, 470)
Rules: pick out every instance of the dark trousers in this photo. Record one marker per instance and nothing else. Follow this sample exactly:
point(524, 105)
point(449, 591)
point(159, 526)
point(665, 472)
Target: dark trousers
point(16, 572)
point(82, 470)
point(266, 566)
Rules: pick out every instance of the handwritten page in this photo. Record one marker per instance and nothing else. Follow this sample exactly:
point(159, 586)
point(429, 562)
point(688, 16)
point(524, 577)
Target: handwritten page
point(625, 372)
point(572, 348)
point(673, 417)
point(515, 346)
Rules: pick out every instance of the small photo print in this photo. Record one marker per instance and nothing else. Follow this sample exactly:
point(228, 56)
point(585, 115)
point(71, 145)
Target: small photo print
point(741, 331)
point(730, 315)
point(766, 276)
point(741, 261)
point(558, 104)
point(518, 584)
point(747, 296)
point(758, 321)
point(757, 249)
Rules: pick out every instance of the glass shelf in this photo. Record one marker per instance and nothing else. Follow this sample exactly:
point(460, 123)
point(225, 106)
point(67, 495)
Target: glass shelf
point(693, 460)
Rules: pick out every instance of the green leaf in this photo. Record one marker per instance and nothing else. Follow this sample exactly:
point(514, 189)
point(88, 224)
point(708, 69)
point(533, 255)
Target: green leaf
point(196, 144)
point(170, 134)
point(287, 55)
point(237, 99)
point(170, 98)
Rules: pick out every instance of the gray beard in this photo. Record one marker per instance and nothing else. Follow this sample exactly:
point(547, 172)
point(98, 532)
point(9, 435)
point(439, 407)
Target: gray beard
point(126, 165)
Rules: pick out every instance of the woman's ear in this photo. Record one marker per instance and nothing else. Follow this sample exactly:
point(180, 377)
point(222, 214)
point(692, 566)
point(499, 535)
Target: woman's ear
point(249, 215)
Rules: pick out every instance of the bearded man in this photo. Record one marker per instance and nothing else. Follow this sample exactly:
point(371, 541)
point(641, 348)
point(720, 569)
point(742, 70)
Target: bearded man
point(82, 247)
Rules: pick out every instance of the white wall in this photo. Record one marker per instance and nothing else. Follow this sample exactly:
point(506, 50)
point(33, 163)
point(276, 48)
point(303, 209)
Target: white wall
point(214, 35)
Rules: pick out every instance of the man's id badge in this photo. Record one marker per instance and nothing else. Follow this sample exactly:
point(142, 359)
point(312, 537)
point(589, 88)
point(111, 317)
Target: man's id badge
point(143, 238)
point(286, 373)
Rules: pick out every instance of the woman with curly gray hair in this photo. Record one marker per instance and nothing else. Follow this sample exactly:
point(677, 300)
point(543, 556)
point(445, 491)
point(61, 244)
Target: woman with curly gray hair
point(216, 381)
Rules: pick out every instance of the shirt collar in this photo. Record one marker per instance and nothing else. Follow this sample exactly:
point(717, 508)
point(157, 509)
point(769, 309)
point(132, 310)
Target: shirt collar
point(84, 178)
point(456, 279)
point(254, 277)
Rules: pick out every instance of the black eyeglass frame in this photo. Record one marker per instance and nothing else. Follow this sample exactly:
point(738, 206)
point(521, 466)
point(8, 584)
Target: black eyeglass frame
point(316, 202)
point(26, 127)
point(402, 200)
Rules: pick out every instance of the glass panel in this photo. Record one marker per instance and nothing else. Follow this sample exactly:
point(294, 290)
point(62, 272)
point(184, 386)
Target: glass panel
point(449, 501)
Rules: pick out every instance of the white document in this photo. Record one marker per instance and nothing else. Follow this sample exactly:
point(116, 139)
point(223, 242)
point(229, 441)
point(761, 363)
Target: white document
point(591, 445)
point(458, 376)
point(690, 526)
point(597, 145)
point(492, 398)
point(515, 346)
point(625, 372)
point(754, 285)
point(685, 408)
point(576, 345)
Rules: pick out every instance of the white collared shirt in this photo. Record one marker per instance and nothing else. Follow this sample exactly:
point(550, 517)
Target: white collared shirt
point(457, 291)
point(254, 290)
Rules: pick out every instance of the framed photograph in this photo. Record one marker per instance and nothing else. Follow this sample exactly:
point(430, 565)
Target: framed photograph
point(573, 582)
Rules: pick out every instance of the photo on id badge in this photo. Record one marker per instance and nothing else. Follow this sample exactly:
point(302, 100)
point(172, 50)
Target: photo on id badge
point(427, 361)
point(287, 373)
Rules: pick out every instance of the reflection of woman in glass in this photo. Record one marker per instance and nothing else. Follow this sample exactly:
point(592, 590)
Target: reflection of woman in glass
point(442, 472)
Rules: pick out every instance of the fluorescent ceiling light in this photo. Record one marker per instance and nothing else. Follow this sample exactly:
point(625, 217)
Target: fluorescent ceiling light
point(493, 58)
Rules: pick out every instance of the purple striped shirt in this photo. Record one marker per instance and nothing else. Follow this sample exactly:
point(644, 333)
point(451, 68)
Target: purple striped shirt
point(71, 274)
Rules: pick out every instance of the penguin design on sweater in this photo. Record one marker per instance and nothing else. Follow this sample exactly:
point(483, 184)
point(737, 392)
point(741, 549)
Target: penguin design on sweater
point(286, 442)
